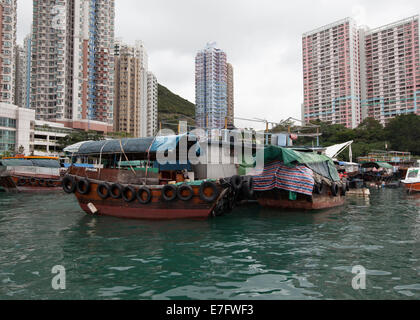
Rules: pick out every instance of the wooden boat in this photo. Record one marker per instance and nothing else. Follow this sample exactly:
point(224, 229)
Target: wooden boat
point(109, 197)
point(30, 174)
point(141, 188)
point(412, 180)
point(298, 180)
point(280, 199)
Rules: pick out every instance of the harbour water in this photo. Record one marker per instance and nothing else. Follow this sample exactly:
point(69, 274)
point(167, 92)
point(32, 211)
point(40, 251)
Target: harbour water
point(252, 253)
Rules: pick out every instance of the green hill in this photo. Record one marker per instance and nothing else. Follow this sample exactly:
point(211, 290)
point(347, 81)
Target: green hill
point(173, 108)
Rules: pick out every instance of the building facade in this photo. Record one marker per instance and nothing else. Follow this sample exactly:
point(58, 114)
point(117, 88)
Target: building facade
point(16, 128)
point(230, 97)
point(135, 91)
point(152, 105)
point(392, 82)
point(21, 133)
point(19, 75)
point(350, 72)
point(211, 88)
point(72, 65)
point(26, 72)
point(331, 72)
point(8, 19)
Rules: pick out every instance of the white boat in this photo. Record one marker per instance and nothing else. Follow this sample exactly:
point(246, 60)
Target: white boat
point(412, 180)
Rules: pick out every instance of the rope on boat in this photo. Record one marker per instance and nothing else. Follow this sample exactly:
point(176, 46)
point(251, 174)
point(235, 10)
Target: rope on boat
point(131, 167)
point(100, 159)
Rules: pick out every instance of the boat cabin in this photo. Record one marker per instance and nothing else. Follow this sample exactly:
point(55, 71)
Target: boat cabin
point(159, 160)
point(413, 174)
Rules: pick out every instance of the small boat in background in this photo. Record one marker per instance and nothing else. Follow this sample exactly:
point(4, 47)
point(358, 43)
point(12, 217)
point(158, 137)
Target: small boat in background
point(412, 180)
point(30, 174)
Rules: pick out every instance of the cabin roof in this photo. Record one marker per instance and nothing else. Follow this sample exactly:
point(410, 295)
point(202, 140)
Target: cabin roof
point(130, 145)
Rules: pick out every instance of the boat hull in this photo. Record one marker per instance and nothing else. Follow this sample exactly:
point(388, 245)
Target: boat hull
point(40, 183)
point(412, 187)
point(279, 199)
point(156, 209)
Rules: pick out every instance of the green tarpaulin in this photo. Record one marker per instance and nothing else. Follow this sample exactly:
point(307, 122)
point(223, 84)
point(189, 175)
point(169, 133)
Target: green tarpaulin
point(290, 156)
point(320, 164)
point(384, 165)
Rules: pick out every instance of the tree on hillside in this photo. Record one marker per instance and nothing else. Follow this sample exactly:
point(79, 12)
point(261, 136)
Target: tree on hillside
point(403, 133)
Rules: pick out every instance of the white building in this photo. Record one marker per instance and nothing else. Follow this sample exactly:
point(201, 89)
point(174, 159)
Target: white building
point(46, 136)
point(21, 133)
point(16, 128)
point(152, 104)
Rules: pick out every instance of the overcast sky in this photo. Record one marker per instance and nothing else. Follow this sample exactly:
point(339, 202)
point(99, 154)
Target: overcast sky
point(262, 40)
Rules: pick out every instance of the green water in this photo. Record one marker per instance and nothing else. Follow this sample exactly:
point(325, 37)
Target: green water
point(252, 253)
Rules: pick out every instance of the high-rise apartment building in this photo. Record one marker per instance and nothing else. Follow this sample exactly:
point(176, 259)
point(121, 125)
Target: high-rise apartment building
point(72, 66)
point(331, 73)
point(135, 91)
point(26, 72)
point(230, 97)
point(350, 73)
point(8, 50)
point(19, 75)
point(152, 104)
point(211, 87)
point(391, 85)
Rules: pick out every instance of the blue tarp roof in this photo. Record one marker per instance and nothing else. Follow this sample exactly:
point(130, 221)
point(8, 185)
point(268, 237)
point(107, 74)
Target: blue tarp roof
point(43, 163)
point(133, 145)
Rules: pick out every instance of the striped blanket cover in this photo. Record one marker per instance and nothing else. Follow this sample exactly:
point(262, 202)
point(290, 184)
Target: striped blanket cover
point(297, 179)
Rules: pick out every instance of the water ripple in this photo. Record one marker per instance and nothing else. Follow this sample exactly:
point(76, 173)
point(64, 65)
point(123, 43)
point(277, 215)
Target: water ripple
point(252, 253)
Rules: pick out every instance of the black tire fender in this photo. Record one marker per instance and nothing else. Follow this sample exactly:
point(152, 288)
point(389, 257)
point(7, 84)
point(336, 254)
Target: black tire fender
point(83, 186)
point(318, 187)
point(214, 196)
point(126, 190)
point(165, 189)
point(69, 184)
point(21, 182)
point(343, 189)
point(49, 183)
point(116, 187)
point(181, 189)
point(140, 192)
point(103, 191)
point(236, 182)
point(334, 189)
point(248, 187)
